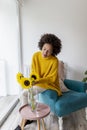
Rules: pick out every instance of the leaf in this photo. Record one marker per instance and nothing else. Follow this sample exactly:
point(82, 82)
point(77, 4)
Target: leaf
point(86, 72)
point(84, 79)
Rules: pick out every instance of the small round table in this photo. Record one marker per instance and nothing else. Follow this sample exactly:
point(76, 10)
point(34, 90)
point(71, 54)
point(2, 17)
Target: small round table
point(43, 111)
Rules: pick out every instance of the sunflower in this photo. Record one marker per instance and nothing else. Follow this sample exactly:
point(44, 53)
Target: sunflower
point(34, 76)
point(26, 83)
point(19, 77)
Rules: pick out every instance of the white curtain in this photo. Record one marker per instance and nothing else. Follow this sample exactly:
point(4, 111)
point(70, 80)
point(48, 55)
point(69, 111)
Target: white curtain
point(10, 47)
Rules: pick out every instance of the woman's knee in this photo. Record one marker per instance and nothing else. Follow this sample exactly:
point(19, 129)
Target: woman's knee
point(24, 97)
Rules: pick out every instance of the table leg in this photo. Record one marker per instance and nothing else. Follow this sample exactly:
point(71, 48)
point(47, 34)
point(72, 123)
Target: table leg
point(43, 124)
point(38, 124)
point(23, 123)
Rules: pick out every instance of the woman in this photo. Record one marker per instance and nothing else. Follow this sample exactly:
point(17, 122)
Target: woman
point(45, 64)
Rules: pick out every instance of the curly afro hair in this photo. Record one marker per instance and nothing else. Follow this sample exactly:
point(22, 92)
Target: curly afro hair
point(53, 40)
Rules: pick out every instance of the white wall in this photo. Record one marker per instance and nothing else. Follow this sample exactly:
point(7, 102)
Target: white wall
point(65, 18)
point(9, 45)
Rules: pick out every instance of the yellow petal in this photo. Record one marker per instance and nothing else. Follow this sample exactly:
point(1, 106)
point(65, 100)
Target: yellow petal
point(19, 76)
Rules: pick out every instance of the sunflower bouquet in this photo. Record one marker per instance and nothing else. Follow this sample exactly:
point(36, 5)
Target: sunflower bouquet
point(27, 83)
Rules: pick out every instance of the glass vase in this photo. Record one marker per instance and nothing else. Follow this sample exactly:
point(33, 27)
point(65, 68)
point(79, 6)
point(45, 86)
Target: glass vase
point(32, 99)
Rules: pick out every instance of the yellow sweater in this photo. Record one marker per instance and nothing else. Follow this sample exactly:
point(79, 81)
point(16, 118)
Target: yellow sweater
point(47, 69)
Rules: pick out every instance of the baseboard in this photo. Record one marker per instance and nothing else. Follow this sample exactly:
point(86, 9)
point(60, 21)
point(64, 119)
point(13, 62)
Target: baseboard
point(8, 110)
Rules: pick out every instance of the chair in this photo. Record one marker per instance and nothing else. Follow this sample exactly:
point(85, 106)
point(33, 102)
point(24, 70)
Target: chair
point(72, 100)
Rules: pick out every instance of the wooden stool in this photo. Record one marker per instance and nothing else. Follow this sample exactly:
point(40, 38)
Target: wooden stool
point(27, 114)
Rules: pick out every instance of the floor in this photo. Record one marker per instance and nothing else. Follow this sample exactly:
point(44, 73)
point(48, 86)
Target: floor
point(74, 121)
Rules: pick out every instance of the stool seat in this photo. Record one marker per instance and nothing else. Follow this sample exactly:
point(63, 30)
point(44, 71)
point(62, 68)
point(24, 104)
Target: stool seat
point(42, 111)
